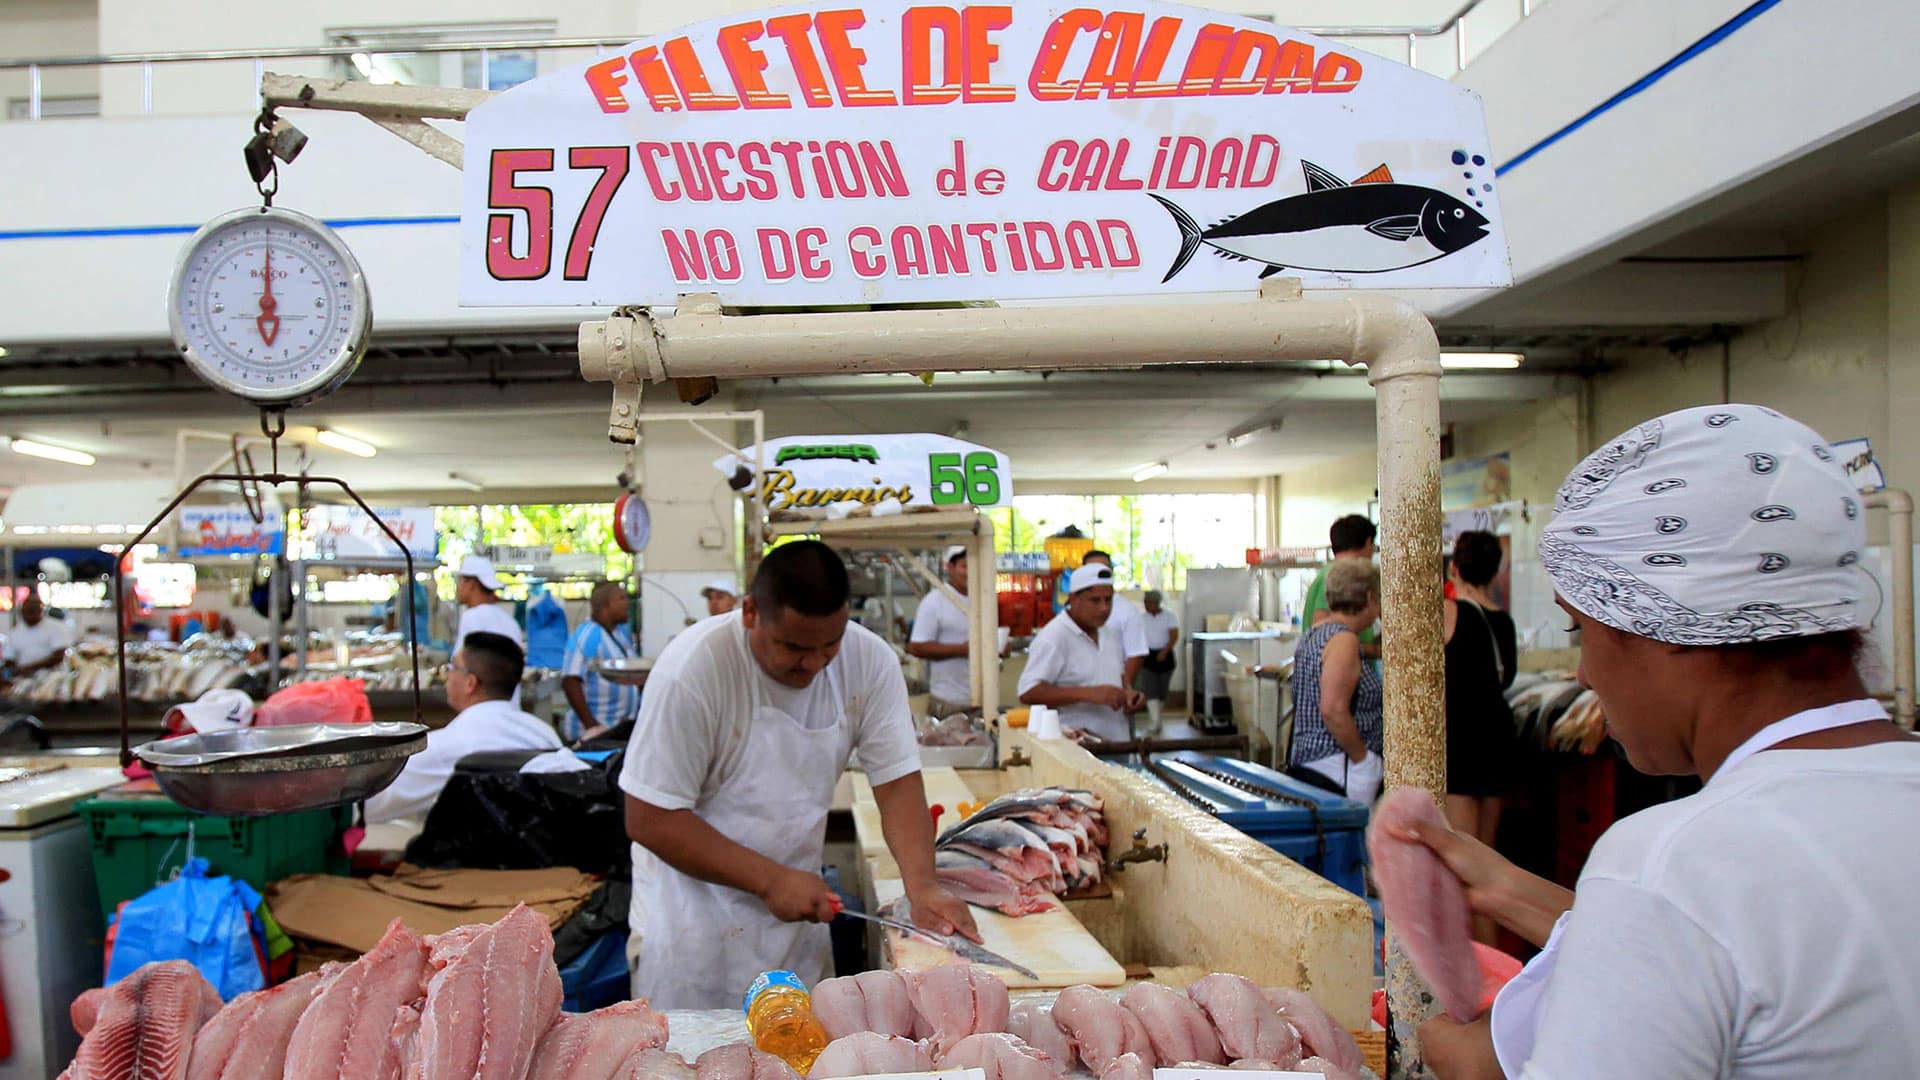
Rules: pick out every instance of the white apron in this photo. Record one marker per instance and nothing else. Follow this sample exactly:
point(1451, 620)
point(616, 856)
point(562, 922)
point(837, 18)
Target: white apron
point(1515, 1022)
point(704, 944)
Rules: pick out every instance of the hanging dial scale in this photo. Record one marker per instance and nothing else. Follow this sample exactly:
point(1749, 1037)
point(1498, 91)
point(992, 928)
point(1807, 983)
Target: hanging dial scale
point(269, 305)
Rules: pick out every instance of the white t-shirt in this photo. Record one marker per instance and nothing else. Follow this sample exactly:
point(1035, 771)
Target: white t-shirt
point(1158, 628)
point(490, 619)
point(1762, 928)
point(942, 622)
point(32, 644)
point(481, 727)
point(691, 738)
point(1126, 620)
point(1063, 655)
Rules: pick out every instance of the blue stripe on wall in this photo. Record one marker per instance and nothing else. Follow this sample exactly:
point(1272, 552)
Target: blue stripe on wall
point(1719, 34)
point(183, 230)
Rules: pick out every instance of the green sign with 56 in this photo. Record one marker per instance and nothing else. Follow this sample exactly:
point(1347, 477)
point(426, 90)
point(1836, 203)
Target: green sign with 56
point(808, 471)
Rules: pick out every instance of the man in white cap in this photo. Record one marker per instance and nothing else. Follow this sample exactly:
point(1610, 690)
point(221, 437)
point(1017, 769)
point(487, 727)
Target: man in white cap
point(478, 591)
point(721, 595)
point(940, 635)
point(1127, 621)
point(1077, 663)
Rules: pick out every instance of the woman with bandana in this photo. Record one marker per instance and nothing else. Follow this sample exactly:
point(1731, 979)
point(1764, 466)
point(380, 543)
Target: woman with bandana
point(1762, 927)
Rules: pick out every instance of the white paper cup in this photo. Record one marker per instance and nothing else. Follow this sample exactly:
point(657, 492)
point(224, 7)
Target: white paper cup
point(1006, 635)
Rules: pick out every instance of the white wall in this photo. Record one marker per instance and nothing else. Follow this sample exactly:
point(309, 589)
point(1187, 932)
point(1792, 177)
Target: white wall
point(1311, 499)
point(47, 28)
point(1768, 97)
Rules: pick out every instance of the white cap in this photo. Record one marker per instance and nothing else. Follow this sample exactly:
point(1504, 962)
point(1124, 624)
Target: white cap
point(481, 570)
point(956, 551)
point(720, 585)
point(217, 710)
point(1089, 576)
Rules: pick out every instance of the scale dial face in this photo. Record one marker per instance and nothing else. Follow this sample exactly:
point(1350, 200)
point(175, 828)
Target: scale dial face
point(632, 524)
point(270, 306)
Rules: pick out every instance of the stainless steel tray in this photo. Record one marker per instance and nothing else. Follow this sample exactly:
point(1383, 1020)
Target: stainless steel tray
point(254, 772)
point(627, 669)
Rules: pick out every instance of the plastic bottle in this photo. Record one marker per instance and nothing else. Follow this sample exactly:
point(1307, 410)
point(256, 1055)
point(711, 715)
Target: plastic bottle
point(780, 1019)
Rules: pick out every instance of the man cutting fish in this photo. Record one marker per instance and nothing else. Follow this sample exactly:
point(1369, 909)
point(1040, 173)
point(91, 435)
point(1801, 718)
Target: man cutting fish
point(748, 721)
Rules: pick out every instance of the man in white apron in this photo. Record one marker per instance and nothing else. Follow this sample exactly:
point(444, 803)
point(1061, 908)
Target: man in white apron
point(747, 723)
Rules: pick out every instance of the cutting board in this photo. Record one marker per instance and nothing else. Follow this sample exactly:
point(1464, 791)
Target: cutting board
point(1052, 943)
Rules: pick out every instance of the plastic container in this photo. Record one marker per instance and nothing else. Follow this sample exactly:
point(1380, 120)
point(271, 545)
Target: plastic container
point(142, 839)
point(1317, 829)
point(598, 976)
point(780, 1019)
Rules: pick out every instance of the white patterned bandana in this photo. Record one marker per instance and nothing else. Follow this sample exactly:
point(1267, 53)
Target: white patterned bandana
point(1719, 525)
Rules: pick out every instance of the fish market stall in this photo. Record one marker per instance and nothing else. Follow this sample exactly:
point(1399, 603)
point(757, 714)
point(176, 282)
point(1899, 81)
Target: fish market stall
point(1263, 916)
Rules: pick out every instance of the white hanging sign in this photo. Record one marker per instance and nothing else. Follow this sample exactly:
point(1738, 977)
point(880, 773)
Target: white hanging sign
point(1856, 456)
point(816, 471)
point(346, 532)
point(890, 151)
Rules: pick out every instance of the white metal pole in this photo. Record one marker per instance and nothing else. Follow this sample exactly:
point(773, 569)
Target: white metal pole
point(1406, 380)
point(1899, 507)
point(983, 658)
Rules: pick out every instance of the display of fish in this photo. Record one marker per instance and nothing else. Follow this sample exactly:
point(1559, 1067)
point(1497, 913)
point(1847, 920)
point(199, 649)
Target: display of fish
point(487, 1009)
point(249, 1037)
point(1370, 226)
point(597, 1045)
point(142, 1027)
point(349, 1029)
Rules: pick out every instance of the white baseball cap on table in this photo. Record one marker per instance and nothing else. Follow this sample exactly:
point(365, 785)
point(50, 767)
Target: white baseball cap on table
point(720, 585)
point(216, 710)
point(480, 569)
point(1090, 576)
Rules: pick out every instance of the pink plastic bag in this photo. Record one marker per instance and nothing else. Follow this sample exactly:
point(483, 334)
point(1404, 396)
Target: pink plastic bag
point(334, 701)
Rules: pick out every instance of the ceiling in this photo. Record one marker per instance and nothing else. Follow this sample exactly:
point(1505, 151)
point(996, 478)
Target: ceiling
point(536, 428)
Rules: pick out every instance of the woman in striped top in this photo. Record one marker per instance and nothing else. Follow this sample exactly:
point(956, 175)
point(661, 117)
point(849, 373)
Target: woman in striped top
point(1337, 718)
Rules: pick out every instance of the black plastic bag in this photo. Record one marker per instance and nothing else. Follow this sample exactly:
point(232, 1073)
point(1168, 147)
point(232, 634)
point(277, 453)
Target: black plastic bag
point(491, 817)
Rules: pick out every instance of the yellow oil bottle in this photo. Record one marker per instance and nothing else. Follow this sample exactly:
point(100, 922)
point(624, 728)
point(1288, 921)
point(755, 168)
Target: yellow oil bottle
point(780, 1020)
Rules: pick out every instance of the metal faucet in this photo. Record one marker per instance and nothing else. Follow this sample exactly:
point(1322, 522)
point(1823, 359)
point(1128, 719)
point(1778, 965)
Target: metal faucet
point(1017, 758)
point(1141, 851)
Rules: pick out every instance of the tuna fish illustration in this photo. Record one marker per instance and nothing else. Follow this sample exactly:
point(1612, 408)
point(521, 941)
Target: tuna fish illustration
point(1370, 226)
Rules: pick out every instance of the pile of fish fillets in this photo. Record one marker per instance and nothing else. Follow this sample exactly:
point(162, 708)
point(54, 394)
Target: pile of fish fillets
point(476, 1003)
point(961, 1018)
point(1018, 851)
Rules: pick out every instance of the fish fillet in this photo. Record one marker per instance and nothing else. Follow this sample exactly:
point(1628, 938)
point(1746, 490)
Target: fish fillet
point(1101, 1028)
point(1177, 1028)
point(957, 1002)
point(249, 1037)
point(597, 1045)
point(488, 1008)
point(1127, 1067)
point(1320, 1034)
point(142, 1027)
point(348, 1028)
point(742, 1061)
point(655, 1064)
point(867, 1054)
point(1033, 1024)
point(1002, 1057)
point(873, 1001)
point(1327, 1069)
point(1248, 1026)
point(1424, 901)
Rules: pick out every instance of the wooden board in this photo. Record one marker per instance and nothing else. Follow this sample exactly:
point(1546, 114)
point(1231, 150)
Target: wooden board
point(1052, 943)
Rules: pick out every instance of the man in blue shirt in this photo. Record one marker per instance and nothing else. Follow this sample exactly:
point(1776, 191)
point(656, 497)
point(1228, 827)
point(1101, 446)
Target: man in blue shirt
point(598, 703)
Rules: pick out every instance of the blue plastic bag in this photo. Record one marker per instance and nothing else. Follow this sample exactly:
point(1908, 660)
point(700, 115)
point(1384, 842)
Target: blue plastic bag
point(203, 920)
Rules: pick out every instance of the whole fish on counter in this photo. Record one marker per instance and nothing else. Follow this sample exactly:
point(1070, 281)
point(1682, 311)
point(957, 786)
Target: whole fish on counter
point(1022, 846)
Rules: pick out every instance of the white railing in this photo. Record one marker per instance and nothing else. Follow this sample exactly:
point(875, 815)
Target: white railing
point(1453, 27)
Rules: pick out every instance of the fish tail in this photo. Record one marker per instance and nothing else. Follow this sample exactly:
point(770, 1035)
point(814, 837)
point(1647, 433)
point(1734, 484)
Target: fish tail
point(1189, 237)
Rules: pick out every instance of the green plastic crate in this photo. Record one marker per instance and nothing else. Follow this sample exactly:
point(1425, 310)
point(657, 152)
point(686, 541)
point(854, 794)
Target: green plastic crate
point(140, 840)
